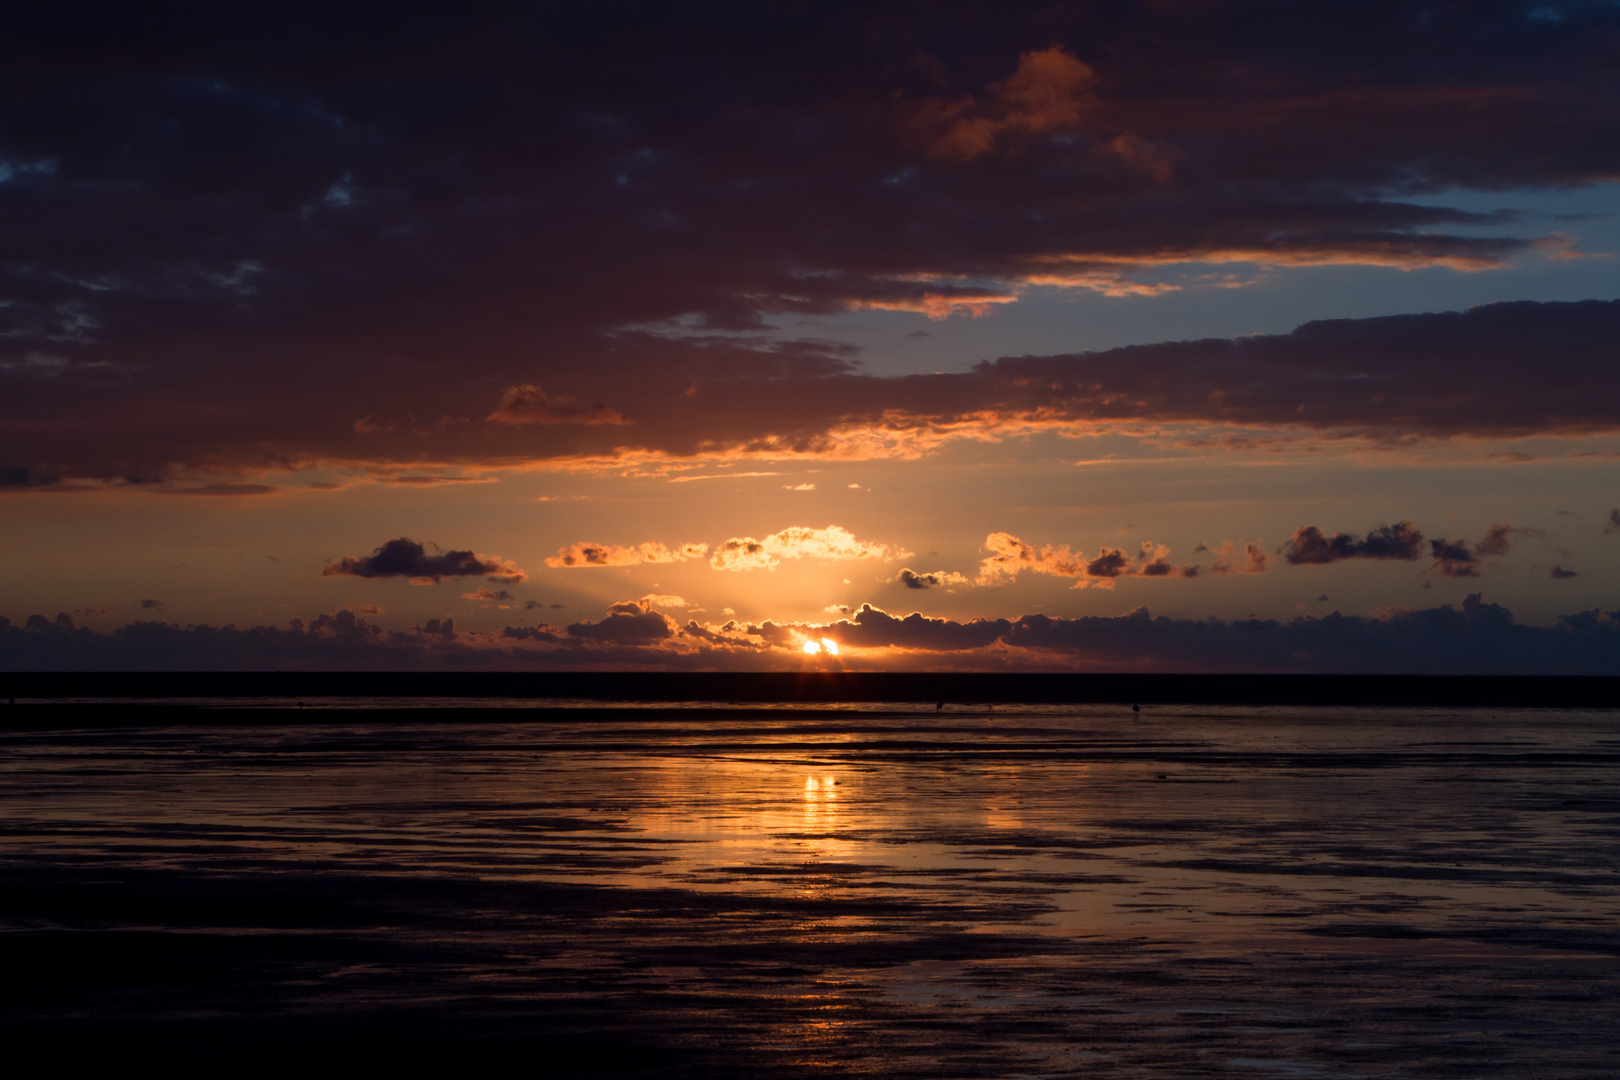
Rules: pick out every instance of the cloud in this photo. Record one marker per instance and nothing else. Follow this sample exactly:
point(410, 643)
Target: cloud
point(799, 542)
point(662, 600)
point(1010, 555)
point(1308, 547)
point(586, 553)
point(800, 487)
point(1455, 560)
point(528, 404)
point(1473, 637)
point(439, 628)
point(543, 633)
point(487, 595)
point(407, 558)
point(1614, 522)
point(1254, 559)
point(22, 477)
point(1560, 574)
point(151, 605)
point(630, 622)
point(1496, 540)
point(1050, 91)
point(933, 580)
point(656, 246)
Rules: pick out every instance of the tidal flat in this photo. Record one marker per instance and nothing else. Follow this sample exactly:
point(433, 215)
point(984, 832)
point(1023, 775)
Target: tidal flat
point(881, 890)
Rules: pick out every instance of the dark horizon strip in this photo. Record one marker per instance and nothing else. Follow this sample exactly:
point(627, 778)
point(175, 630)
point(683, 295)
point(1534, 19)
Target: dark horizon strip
point(950, 688)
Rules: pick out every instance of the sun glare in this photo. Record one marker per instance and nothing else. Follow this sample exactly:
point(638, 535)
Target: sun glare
point(812, 647)
point(825, 645)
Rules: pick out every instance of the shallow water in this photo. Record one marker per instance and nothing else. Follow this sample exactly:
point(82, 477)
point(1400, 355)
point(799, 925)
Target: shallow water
point(714, 891)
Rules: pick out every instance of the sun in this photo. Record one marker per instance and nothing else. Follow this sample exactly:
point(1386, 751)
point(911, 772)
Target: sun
point(826, 645)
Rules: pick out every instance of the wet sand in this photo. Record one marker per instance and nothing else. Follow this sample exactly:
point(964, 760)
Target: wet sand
point(706, 891)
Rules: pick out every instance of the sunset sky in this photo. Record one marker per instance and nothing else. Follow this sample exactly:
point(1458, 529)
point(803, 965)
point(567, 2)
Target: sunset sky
point(1172, 335)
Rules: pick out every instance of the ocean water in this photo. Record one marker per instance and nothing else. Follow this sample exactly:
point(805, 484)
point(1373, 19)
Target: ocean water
point(852, 890)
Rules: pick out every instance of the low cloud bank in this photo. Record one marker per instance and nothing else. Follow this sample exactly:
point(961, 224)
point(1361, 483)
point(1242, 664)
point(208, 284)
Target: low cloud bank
point(1474, 637)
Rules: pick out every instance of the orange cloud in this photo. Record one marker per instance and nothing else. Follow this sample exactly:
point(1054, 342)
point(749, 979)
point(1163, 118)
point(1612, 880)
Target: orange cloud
point(1050, 91)
point(798, 542)
point(938, 305)
point(1102, 271)
point(1255, 559)
point(1010, 555)
point(586, 553)
point(487, 595)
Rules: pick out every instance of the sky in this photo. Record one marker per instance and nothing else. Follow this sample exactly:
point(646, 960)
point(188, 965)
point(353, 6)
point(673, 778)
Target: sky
point(1178, 335)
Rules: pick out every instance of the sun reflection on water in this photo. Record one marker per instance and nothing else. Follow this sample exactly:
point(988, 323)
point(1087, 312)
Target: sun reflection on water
point(820, 801)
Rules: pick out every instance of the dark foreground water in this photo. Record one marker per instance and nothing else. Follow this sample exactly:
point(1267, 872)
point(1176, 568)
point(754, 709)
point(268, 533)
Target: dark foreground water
point(705, 892)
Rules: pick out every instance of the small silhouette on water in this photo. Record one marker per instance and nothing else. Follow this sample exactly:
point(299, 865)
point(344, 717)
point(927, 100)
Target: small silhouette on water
point(1136, 708)
point(939, 706)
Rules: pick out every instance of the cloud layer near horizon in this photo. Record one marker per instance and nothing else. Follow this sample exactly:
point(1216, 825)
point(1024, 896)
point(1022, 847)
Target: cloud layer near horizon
point(529, 233)
point(1477, 637)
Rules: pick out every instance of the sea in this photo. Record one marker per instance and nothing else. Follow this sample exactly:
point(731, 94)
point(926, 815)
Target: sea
point(522, 887)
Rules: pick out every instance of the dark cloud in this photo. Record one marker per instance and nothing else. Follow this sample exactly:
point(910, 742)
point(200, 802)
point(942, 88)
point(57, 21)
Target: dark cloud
point(439, 628)
point(1614, 522)
point(911, 579)
point(1453, 560)
point(1496, 540)
point(1474, 637)
point(1309, 547)
point(64, 623)
point(1560, 574)
point(873, 628)
point(342, 626)
point(1456, 560)
point(548, 634)
point(1109, 563)
point(150, 605)
point(231, 242)
point(407, 558)
point(22, 477)
point(626, 623)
